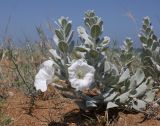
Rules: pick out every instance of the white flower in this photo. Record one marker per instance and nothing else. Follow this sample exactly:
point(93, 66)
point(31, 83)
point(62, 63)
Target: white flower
point(44, 76)
point(81, 75)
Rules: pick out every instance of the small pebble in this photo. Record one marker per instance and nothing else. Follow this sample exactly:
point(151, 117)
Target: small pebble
point(10, 93)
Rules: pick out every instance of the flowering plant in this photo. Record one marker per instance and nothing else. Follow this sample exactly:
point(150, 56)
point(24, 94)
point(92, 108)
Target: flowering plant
point(84, 65)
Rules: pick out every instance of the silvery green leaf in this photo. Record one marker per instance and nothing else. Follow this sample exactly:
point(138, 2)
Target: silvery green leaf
point(63, 46)
point(109, 67)
point(101, 24)
point(148, 52)
point(146, 20)
point(82, 33)
point(137, 78)
point(138, 105)
point(105, 41)
point(148, 30)
point(125, 75)
point(107, 92)
point(158, 67)
point(93, 53)
point(59, 34)
point(88, 43)
point(123, 97)
point(140, 90)
point(95, 31)
point(143, 38)
point(54, 53)
point(70, 37)
point(111, 81)
point(128, 42)
point(144, 26)
point(68, 29)
point(71, 46)
point(86, 21)
point(123, 88)
point(115, 70)
point(91, 13)
point(155, 63)
point(111, 105)
point(129, 56)
point(91, 103)
point(82, 49)
point(154, 37)
point(56, 40)
point(150, 83)
point(111, 75)
point(110, 97)
point(150, 95)
point(63, 22)
point(92, 21)
point(150, 42)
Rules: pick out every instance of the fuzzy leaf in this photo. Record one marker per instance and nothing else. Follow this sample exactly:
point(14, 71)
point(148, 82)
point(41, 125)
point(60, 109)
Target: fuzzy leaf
point(123, 97)
point(70, 36)
point(107, 92)
point(143, 39)
point(68, 29)
point(149, 42)
point(140, 90)
point(59, 34)
point(91, 103)
point(139, 105)
point(95, 31)
point(111, 105)
point(105, 41)
point(63, 46)
point(63, 22)
point(111, 68)
point(124, 76)
point(82, 49)
point(83, 34)
point(137, 78)
point(110, 97)
point(150, 95)
point(93, 53)
point(146, 20)
point(54, 53)
point(155, 45)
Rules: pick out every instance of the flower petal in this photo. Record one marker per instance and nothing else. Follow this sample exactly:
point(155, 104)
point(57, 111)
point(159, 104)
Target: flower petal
point(40, 84)
point(44, 76)
point(87, 78)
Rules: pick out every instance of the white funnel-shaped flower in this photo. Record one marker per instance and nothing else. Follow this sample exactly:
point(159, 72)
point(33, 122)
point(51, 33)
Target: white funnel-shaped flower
point(81, 75)
point(44, 76)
